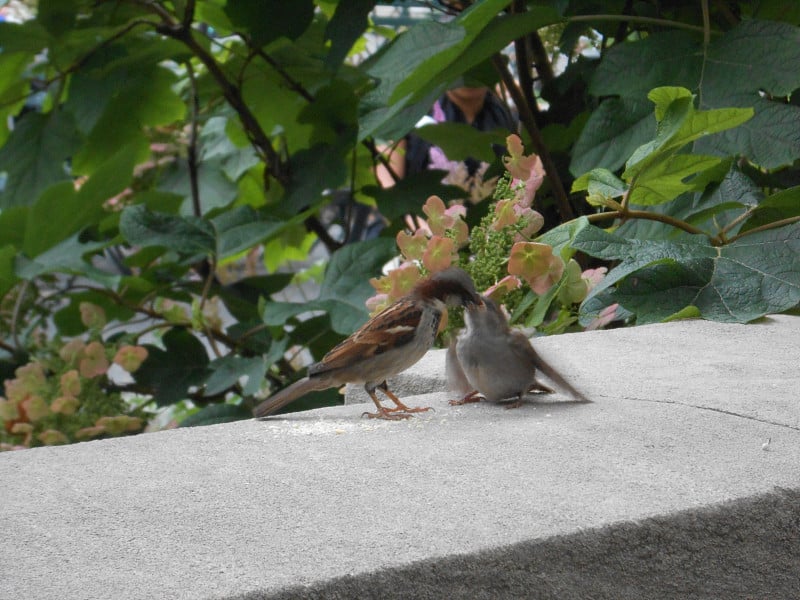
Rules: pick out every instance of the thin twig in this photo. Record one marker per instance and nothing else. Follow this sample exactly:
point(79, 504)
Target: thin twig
point(642, 214)
point(15, 314)
point(706, 23)
point(635, 19)
point(765, 227)
point(191, 155)
point(528, 120)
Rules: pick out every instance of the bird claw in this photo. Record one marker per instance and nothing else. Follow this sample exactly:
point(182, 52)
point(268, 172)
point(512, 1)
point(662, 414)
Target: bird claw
point(388, 414)
point(469, 398)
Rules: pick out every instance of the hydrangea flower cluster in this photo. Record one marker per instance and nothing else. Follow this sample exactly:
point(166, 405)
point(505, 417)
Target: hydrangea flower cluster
point(62, 396)
point(500, 253)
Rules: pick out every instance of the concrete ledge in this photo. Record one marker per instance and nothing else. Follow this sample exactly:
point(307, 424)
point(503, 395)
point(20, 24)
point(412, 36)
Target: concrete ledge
point(686, 415)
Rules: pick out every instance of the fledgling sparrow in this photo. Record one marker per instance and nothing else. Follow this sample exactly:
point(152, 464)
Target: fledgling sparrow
point(387, 344)
point(491, 359)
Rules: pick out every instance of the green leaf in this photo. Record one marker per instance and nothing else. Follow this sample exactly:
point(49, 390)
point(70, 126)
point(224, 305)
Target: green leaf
point(395, 65)
point(14, 86)
point(345, 27)
point(471, 22)
point(345, 287)
point(543, 303)
point(144, 98)
point(66, 256)
point(34, 156)
point(631, 70)
point(29, 37)
point(168, 374)
point(409, 194)
point(739, 282)
point(241, 228)
point(680, 124)
point(188, 236)
point(315, 170)
point(735, 71)
point(668, 178)
point(61, 211)
point(7, 277)
point(461, 141)
point(268, 20)
point(214, 414)
point(561, 237)
point(613, 132)
point(600, 181)
point(781, 205)
point(228, 370)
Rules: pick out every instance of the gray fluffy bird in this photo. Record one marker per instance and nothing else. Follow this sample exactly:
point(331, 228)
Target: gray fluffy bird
point(491, 359)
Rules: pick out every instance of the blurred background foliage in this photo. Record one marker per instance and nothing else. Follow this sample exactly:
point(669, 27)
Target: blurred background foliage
point(174, 173)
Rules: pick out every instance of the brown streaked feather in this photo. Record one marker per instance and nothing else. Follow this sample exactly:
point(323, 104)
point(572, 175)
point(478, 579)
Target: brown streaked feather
point(371, 338)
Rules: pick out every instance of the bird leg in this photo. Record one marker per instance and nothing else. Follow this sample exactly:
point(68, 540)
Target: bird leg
point(471, 397)
point(400, 407)
point(401, 411)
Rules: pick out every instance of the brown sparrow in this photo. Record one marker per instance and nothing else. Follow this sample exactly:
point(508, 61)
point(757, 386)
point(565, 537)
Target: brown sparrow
point(491, 359)
point(384, 346)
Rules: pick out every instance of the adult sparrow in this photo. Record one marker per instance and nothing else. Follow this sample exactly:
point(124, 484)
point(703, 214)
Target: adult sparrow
point(491, 359)
point(384, 346)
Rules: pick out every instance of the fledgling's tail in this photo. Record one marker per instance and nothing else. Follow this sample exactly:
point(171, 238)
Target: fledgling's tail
point(558, 379)
point(289, 394)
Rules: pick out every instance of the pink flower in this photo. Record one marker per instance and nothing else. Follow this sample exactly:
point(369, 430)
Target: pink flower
point(533, 221)
point(403, 279)
point(502, 287)
point(532, 183)
point(604, 317)
point(377, 303)
point(504, 215)
point(460, 233)
point(65, 405)
point(519, 166)
point(438, 219)
point(412, 246)
point(71, 383)
point(35, 408)
point(72, 351)
point(94, 361)
point(439, 254)
point(130, 358)
point(439, 161)
point(536, 264)
point(92, 316)
point(51, 437)
point(594, 276)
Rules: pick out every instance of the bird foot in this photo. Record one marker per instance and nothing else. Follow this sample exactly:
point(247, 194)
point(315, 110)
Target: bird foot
point(390, 414)
point(514, 404)
point(402, 408)
point(469, 398)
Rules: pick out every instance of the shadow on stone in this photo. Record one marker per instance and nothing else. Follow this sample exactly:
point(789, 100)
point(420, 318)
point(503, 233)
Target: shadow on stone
point(742, 549)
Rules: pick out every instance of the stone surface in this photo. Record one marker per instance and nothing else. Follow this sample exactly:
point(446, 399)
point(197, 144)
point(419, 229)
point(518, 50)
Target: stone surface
point(685, 415)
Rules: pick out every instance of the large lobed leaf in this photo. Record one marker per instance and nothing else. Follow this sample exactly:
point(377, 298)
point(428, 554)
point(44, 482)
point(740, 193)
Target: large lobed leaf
point(734, 71)
point(742, 281)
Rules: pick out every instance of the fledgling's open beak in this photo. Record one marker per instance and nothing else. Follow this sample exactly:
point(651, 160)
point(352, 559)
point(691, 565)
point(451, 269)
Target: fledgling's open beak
point(477, 303)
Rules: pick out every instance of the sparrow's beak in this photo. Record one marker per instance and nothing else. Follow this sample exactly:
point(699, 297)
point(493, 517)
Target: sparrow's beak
point(476, 303)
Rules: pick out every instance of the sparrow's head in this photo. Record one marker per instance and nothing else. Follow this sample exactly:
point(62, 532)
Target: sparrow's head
point(486, 314)
point(452, 286)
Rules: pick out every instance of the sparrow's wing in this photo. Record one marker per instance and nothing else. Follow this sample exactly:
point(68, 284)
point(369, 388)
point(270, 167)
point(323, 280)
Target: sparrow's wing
point(390, 329)
point(520, 347)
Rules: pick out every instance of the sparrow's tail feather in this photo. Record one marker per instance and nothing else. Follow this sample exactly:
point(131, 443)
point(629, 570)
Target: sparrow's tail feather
point(556, 378)
point(289, 394)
